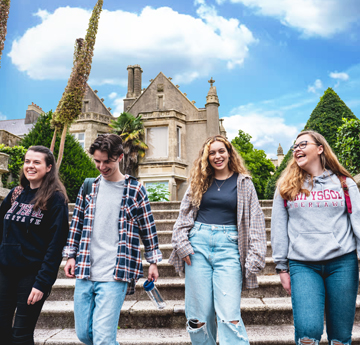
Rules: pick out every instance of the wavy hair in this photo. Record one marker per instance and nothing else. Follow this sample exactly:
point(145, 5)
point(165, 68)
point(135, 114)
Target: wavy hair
point(293, 177)
point(202, 173)
point(50, 183)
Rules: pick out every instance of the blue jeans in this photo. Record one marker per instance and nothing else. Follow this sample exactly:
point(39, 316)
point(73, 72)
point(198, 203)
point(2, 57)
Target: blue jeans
point(97, 308)
point(213, 284)
point(329, 285)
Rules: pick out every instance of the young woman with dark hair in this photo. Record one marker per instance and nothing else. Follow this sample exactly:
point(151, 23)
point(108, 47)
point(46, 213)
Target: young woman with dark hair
point(315, 232)
point(33, 231)
point(219, 239)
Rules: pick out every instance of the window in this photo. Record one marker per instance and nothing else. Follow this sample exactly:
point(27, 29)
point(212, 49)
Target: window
point(157, 141)
point(80, 138)
point(178, 145)
point(160, 102)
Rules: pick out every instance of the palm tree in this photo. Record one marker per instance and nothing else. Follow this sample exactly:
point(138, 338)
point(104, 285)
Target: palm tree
point(131, 130)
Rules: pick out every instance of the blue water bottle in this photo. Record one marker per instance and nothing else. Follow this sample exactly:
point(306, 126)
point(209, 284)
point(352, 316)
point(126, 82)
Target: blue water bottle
point(154, 294)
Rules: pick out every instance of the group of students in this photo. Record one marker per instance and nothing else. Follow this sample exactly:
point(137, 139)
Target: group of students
point(219, 240)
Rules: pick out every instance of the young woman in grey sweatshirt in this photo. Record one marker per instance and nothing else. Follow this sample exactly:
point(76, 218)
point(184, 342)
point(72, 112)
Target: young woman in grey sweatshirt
point(314, 239)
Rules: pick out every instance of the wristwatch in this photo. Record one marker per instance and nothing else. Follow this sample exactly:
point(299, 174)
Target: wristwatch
point(286, 270)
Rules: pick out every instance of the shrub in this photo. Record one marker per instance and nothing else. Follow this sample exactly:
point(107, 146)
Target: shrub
point(76, 164)
point(348, 145)
point(16, 161)
point(157, 192)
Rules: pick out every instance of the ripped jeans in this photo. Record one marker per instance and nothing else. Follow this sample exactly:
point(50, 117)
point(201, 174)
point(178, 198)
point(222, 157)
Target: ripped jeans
point(329, 285)
point(213, 284)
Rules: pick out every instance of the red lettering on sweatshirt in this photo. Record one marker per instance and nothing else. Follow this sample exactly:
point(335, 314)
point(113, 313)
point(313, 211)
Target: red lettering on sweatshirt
point(327, 194)
point(313, 195)
point(320, 195)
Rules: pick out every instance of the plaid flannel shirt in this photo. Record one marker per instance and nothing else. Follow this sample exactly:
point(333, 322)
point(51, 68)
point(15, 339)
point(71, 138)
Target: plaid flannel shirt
point(135, 221)
point(251, 232)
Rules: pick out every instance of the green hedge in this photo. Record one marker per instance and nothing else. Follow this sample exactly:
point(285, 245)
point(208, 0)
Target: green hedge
point(16, 161)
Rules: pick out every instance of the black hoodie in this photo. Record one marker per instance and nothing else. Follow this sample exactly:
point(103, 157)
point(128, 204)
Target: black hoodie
point(31, 241)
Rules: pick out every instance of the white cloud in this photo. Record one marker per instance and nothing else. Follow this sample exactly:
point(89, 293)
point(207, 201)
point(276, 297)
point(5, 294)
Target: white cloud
point(2, 116)
point(158, 39)
point(118, 103)
point(340, 76)
point(316, 86)
point(112, 95)
point(311, 17)
point(267, 132)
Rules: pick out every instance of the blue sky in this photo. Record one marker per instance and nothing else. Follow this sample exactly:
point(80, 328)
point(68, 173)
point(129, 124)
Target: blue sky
point(271, 59)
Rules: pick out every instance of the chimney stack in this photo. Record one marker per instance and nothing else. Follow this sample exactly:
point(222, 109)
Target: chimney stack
point(137, 80)
point(130, 92)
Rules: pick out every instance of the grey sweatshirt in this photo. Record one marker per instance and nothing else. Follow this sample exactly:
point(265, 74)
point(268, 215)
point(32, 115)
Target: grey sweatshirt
point(317, 227)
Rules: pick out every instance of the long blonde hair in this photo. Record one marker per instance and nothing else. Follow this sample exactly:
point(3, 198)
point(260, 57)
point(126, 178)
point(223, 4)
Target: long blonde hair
point(202, 173)
point(293, 177)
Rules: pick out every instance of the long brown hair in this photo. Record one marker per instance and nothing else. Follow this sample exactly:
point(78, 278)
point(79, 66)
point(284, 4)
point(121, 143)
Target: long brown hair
point(293, 177)
point(202, 173)
point(50, 183)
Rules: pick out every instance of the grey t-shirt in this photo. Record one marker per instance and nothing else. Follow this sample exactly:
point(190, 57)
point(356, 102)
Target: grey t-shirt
point(105, 233)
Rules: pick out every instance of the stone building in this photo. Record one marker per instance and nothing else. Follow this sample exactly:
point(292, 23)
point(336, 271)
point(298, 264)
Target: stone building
point(280, 156)
point(174, 127)
point(11, 131)
point(94, 119)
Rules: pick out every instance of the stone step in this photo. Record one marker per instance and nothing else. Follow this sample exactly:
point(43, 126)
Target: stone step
point(172, 289)
point(175, 205)
point(142, 314)
point(258, 335)
point(165, 214)
point(165, 269)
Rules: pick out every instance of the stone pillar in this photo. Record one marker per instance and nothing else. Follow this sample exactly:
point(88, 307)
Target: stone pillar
point(137, 80)
point(212, 111)
point(130, 92)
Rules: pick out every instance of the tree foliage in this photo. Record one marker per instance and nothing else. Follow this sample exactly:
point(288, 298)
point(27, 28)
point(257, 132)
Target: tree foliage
point(348, 145)
point(16, 161)
point(327, 116)
point(131, 130)
point(77, 165)
point(158, 192)
point(70, 104)
point(4, 15)
point(255, 160)
point(325, 119)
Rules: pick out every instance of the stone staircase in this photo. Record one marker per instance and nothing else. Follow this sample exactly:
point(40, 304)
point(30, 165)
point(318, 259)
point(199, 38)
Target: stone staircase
point(266, 311)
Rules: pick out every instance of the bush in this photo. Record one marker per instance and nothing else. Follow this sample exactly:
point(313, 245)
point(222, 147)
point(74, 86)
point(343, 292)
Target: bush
point(16, 161)
point(325, 119)
point(76, 164)
point(348, 145)
point(157, 192)
point(259, 166)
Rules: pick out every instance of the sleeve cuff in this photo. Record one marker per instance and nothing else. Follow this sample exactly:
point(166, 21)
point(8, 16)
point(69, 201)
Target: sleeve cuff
point(153, 256)
point(69, 252)
point(184, 251)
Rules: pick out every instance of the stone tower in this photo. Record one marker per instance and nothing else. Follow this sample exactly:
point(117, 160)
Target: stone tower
point(212, 110)
point(280, 154)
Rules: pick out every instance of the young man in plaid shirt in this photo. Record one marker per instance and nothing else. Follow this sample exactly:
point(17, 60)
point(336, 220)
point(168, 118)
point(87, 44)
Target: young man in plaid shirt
point(103, 246)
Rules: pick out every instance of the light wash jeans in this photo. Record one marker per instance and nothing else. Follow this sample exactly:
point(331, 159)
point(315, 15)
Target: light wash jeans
point(213, 284)
point(330, 285)
point(97, 308)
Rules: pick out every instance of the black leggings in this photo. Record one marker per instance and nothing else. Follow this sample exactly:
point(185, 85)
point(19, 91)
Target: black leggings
point(14, 292)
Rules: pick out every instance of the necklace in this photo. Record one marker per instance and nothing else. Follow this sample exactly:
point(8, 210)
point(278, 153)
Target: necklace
point(222, 183)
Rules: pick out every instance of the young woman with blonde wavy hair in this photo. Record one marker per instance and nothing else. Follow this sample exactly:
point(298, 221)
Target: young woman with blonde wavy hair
point(315, 232)
point(220, 235)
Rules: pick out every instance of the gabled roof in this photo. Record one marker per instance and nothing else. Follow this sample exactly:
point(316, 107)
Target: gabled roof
point(161, 73)
point(17, 127)
point(102, 103)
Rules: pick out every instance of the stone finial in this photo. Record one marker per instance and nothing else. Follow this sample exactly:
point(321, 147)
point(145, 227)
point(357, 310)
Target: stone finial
point(96, 91)
point(185, 94)
point(170, 78)
point(211, 81)
point(193, 102)
point(151, 80)
point(109, 108)
point(102, 99)
point(280, 150)
point(222, 128)
point(177, 86)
